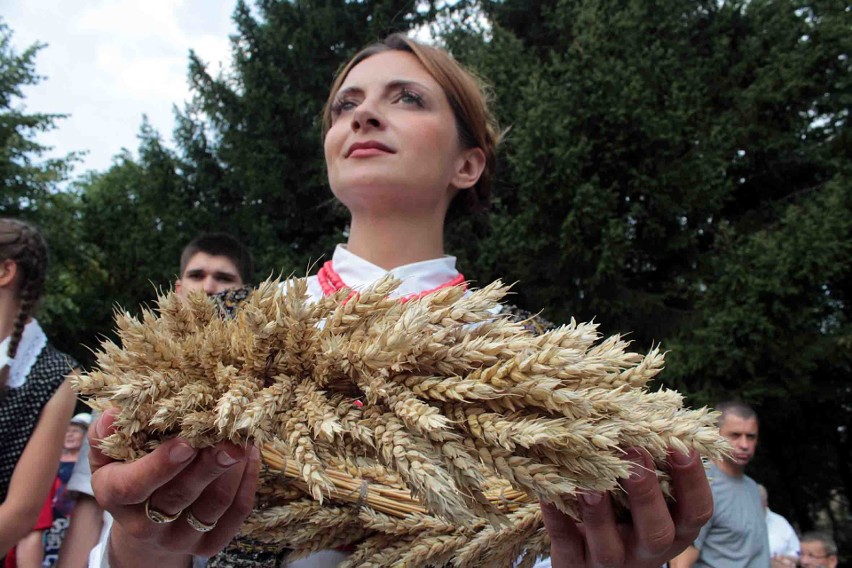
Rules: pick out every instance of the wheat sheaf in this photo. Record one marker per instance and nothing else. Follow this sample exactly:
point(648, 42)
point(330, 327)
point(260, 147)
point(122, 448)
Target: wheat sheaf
point(421, 432)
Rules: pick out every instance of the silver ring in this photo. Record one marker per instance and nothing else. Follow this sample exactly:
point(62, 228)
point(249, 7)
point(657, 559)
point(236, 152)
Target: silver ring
point(159, 517)
point(198, 525)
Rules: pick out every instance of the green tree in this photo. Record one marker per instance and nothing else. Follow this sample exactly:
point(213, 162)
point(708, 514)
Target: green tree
point(136, 218)
point(679, 170)
point(774, 327)
point(30, 189)
point(27, 178)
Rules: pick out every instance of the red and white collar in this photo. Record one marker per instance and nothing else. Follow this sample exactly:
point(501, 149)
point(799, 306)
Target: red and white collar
point(416, 277)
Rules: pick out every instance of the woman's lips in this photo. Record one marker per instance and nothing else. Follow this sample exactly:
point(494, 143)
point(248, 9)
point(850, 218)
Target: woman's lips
point(367, 149)
point(367, 152)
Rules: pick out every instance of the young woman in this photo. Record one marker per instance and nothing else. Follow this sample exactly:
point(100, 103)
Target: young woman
point(407, 135)
point(36, 400)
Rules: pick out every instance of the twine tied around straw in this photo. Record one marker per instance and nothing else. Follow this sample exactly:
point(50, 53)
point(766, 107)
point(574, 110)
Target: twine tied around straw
point(362, 497)
point(504, 501)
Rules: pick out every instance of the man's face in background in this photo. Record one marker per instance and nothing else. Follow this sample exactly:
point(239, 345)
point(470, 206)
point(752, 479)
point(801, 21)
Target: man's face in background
point(742, 434)
point(209, 274)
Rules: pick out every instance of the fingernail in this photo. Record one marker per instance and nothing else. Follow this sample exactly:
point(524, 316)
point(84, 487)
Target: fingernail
point(180, 453)
point(639, 469)
point(224, 459)
point(681, 459)
point(591, 498)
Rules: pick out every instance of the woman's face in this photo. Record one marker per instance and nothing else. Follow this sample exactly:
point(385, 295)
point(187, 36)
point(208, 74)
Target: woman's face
point(393, 145)
point(74, 435)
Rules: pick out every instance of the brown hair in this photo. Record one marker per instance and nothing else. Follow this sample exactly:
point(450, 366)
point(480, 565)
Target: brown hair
point(476, 125)
point(23, 244)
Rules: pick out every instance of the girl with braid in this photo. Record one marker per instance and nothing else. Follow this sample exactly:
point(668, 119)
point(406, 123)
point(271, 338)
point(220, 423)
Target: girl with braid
point(36, 400)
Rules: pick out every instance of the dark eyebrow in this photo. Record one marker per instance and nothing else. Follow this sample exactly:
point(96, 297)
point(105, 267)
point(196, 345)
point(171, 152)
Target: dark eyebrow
point(391, 86)
point(408, 83)
point(349, 91)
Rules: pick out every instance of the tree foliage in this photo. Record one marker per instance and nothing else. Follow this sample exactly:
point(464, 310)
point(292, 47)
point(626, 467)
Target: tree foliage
point(26, 177)
point(29, 185)
point(680, 170)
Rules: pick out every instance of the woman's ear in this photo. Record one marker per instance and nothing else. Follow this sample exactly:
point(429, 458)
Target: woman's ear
point(8, 272)
point(469, 167)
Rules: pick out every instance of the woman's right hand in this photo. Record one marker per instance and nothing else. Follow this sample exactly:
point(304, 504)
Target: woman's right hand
point(215, 485)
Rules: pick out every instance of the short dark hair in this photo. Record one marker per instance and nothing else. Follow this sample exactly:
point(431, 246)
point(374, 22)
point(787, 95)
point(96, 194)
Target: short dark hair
point(220, 244)
point(737, 408)
point(821, 536)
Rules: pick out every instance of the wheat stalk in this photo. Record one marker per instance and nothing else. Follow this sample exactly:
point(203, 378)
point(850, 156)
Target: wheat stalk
point(420, 432)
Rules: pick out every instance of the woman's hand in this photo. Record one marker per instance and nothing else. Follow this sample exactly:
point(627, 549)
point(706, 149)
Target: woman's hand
point(657, 533)
point(213, 486)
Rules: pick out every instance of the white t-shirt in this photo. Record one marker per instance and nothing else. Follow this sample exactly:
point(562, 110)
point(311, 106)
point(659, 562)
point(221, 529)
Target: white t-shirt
point(783, 539)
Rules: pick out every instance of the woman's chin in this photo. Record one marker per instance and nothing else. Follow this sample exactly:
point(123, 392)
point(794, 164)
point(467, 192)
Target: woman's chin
point(379, 198)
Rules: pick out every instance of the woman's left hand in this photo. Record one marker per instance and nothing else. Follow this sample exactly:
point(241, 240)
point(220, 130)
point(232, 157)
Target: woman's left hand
point(657, 531)
point(174, 502)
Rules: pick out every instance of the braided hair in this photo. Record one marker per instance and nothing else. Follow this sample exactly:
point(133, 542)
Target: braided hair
point(23, 244)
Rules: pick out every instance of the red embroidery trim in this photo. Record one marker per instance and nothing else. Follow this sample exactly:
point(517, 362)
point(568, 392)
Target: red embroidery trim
point(330, 282)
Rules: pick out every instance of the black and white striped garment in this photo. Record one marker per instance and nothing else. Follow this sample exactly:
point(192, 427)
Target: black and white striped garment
point(21, 407)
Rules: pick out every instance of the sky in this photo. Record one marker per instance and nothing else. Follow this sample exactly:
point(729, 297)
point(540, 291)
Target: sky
point(109, 62)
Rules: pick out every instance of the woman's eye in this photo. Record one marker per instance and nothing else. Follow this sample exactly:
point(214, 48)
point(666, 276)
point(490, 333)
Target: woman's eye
point(342, 105)
point(410, 97)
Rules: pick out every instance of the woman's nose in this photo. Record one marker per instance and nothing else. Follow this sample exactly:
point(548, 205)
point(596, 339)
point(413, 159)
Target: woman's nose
point(366, 117)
